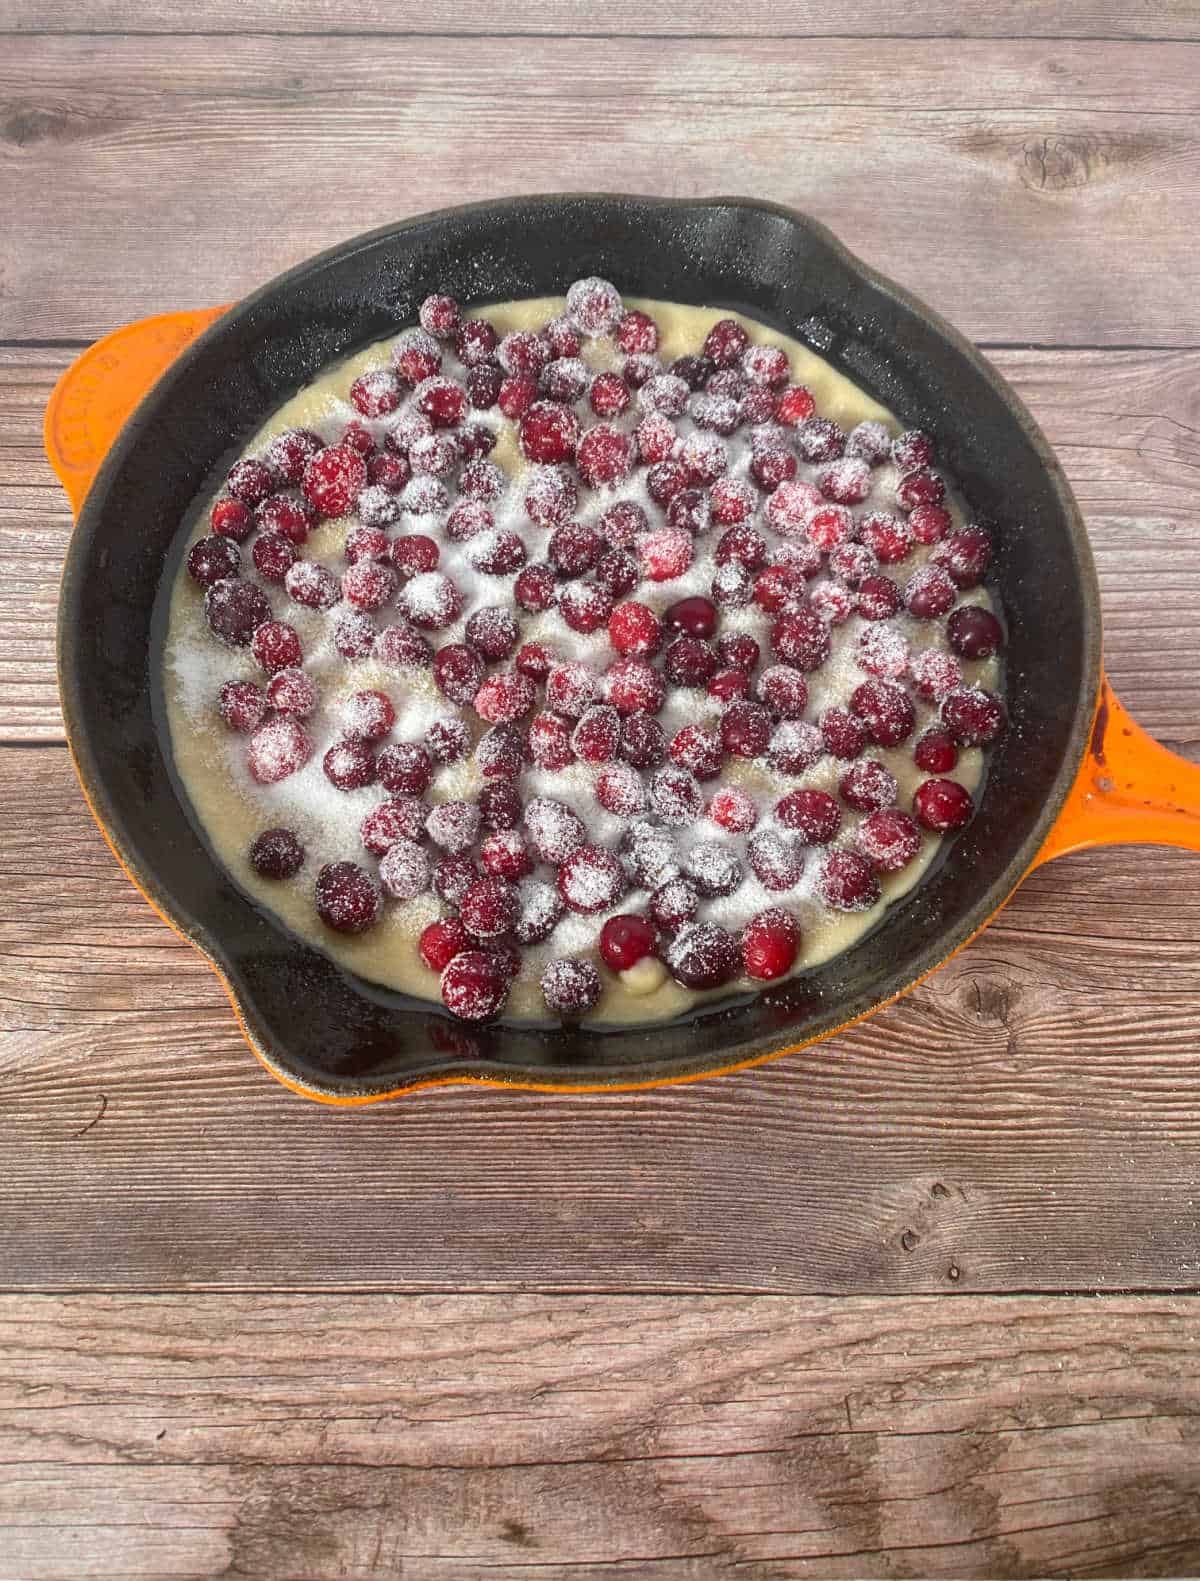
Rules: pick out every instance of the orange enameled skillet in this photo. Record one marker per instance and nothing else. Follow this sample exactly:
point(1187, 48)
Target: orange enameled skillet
point(140, 424)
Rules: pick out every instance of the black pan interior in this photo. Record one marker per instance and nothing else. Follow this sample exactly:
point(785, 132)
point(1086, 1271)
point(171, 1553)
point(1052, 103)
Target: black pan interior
point(314, 1023)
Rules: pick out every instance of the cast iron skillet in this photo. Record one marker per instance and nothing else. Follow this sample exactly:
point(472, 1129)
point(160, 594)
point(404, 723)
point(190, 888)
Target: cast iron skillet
point(328, 1034)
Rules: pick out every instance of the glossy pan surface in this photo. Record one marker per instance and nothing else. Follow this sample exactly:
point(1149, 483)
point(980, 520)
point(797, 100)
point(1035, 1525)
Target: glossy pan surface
point(330, 1034)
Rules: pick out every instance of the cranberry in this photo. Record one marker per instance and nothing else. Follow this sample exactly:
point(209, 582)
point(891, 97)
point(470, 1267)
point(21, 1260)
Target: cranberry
point(795, 747)
point(573, 549)
point(885, 710)
point(650, 855)
point(441, 942)
point(453, 825)
point(484, 385)
point(350, 764)
point(974, 718)
point(277, 749)
point(368, 714)
point(474, 985)
point(818, 439)
point(801, 559)
point(635, 629)
point(869, 441)
point(405, 766)
point(695, 616)
point(635, 687)
point(452, 877)
point(553, 829)
point(785, 690)
point(734, 809)
point(570, 688)
point(801, 637)
point(565, 379)
point(235, 610)
point(776, 862)
point(770, 944)
point(757, 407)
point(814, 814)
point(594, 306)
point(367, 584)
point(402, 818)
point(447, 740)
point(500, 805)
point(966, 556)
point(829, 526)
point(212, 560)
point(913, 448)
point(766, 365)
point(517, 394)
point(847, 481)
point(725, 343)
point(431, 457)
point(929, 523)
point(794, 405)
point(974, 632)
point(688, 512)
point(365, 543)
point(689, 661)
point(250, 481)
point(535, 589)
point(354, 635)
point(833, 602)
point(597, 735)
point(590, 879)
point(738, 649)
point(489, 907)
point(720, 414)
point(400, 646)
point(416, 355)
point(842, 733)
point(492, 631)
point(442, 401)
point(404, 870)
point(481, 480)
point(377, 392)
point(475, 342)
point(431, 601)
point(501, 753)
point(231, 519)
point(745, 729)
point(942, 805)
point(312, 585)
point(729, 686)
point(889, 839)
point(621, 523)
point(666, 394)
point(851, 562)
point(617, 573)
point(732, 586)
point(713, 869)
point(475, 442)
point(675, 796)
point(882, 651)
point(665, 554)
point(289, 453)
point(935, 752)
point(704, 955)
point(637, 369)
point(878, 598)
point(665, 480)
point(276, 646)
point(673, 904)
point(655, 439)
point(731, 502)
point(868, 786)
point(921, 487)
point(505, 697)
point(497, 553)
point(439, 316)
point(643, 741)
point(406, 430)
point(415, 553)
point(637, 332)
point(276, 853)
point(570, 988)
point(273, 555)
point(347, 897)
point(929, 593)
point(242, 706)
point(887, 537)
point(790, 506)
point(619, 790)
point(770, 467)
point(549, 432)
point(697, 750)
point(847, 882)
point(609, 395)
point(333, 480)
point(625, 940)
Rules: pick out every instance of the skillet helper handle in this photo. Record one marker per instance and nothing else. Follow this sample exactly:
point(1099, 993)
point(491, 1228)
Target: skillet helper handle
point(101, 388)
point(1130, 790)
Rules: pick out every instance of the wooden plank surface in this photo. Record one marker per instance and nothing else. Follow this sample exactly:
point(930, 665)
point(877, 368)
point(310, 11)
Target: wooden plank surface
point(455, 1438)
point(1034, 191)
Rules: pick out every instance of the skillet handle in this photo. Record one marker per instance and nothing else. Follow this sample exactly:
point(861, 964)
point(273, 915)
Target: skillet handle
point(1130, 790)
point(100, 389)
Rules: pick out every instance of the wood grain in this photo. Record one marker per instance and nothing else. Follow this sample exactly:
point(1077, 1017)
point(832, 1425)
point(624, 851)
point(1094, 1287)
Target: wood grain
point(1029, 1119)
point(1056, 19)
point(455, 1438)
point(1032, 190)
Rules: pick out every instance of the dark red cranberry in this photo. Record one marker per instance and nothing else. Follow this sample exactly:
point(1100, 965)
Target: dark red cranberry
point(500, 805)
point(929, 593)
point(689, 662)
point(870, 442)
point(913, 448)
point(550, 741)
point(570, 988)
point(276, 646)
point(966, 556)
point(619, 790)
point(549, 432)
point(499, 553)
point(489, 907)
point(475, 985)
point(795, 747)
point(813, 814)
point(878, 598)
point(235, 610)
point(597, 735)
point(334, 479)
point(534, 659)
point(725, 343)
point(665, 480)
point(354, 634)
point(745, 730)
point(935, 752)
point(640, 368)
point(347, 897)
point(818, 439)
point(843, 735)
point(505, 697)
point(770, 945)
point(312, 585)
point(688, 512)
point(868, 785)
point(369, 585)
point(784, 690)
point(565, 379)
point(704, 956)
point(368, 714)
point(885, 710)
point(643, 741)
point(673, 904)
point(729, 686)
point(697, 750)
point(675, 796)
point(439, 316)
point(441, 942)
point(771, 466)
point(847, 882)
point(250, 481)
point(731, 586)
point(242, 706)
point(974, 718)
point(535, 589)
point(289, 453)
point(350, 764)
point(590, 879)
point(625, 940)
point(492, 631)
point(402, 818)
point(665, 394)
point(400, 646)
point(213, 559)
point(617, 572)
point(453, 825)
point(621, 523)
point(889, 839)
point(882, 651)
point(231, 519)
point(886, 536)
point(713, 868)
point(921, 487)
point(942, 805)
point(655, 438)
point(483, 386)
point(501, 752)
point(273, 554)
point(356, 437)
point(974, 633)
point(452, 876)
point(777, 588)
point(695, 616)
point(405, 766)
point(738, 649)
point(757, 406)
point(475, 342)
point(573, 549)
point(718, 414)
point(929, 523)
point(276, 853)
point(801, 637)
point(414, 554)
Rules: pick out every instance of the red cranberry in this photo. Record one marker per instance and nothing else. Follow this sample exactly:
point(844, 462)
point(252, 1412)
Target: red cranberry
point(621, 523)
point(889, 839)
point(734, 809)
point(609, 395)
point(497, 553)
point(492, 631)
point(541, 910)
point(913, 448)
point(277, 854)
point(777, 588)
point(833, 602)
point(400, 819)
point(474, 985)
point(635, 629)
point(675, 796)
point(738, 649)
point(745, 730)
point(643, 741)
point(847, 482)
point(770, 467)
point(974, 632)
point(549, 432)
point(935, 752)
point(431, 601)
point(695, 616)
point(688, 512)
point(483, 386)
point(974, 718)
point(535, 589)
point(635, 687)
point(489, 907)
point(475, 342)
point(868, 785)
point(770, 945)
point(795, 747)
point(777, 862)
point(570, 688)
point(357, 438)
point(713, 869)
point(731, 502)
point(655, 439)
point(312, 585)
point(887, 537)
point(617, 572)
point(673, 904)
point(942, 805)
point(273, 556)
point(966, 556)
point(929, 593)
point(697, 750)
point(665, 554)
point(597, 735)
point(639, 368)
point(333, 480)
point(347, 897)
point(481, 480)
point(276, 646)
point(565, 379)
point(619, 790)
point(570, 988)
point(476, 441)
point(369, 585)
point(250, 481)
point(625, 940)
point(665, 480)
point(501, 752)
point(929, 523)
point(442, 401)
point(882, 651)
point(842, 733)
point(534, 659)
point(212, 560)
point(719, 414)
point(376, 393)
point(847, 882)
point(416, 355)
point(404, 870)
point(799, 557)
point(921, 487)
point(504, 697)
point(406, 430)
point(405, 766)
point(242, 706)
point(573, 549)
point(277, 749)
point(439, 316)
point(791, 505)
point(500, 805)
point(794, 405)
point(453, 825)
point(666, 394)
point(869, 441)
point(885, 710)
point(729, 686)
point(878, 598)
point(814, 814)
point(414, 554)
point(594, 306)
point(726, 343)
point(767, 365)
point(452, 877)
point(785, 690)
point(231, 519)
point(289, 453)
point(650, 855)
point(350, 765)
point(431, 457)
point(851, 562)
point(354, 635)
point(365, 543)
point(553, 829)
point(235, 610)
point(801, 637)
point(441, 942)
point(517, 394)
point(818, 439)
point(688, 661)
point(400, 646)
point(368, 714)
point(637, 332)
point(704, 955)
point(562, 337)
point(590, 880)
